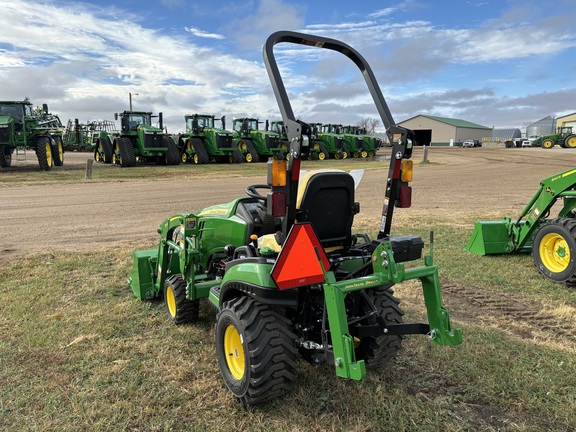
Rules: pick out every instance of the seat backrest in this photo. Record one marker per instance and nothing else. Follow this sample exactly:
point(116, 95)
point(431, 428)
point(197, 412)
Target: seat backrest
point(326, 199)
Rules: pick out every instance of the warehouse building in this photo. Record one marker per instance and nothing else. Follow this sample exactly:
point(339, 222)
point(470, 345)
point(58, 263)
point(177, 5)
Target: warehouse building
point(567, 120)
point(443, 131)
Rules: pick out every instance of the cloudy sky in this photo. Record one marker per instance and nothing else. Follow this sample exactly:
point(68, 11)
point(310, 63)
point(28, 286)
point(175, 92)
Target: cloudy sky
point(500, 63)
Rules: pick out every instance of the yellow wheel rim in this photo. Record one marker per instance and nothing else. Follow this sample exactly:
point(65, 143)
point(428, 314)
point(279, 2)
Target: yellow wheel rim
point(60, 151)
point(364, 153)
point(371, 153)
point(48, 154)
point(234, 352)
point(97, 157)
point(337, 155)
point(248, 157)
point(547, 144)
point(171, 301)
point(554, 252)
point(356, 154)
point(571, 142)
point(196, 160)
point(184, 157)
point(344, 155)
point(242, 146)
point(321, 156)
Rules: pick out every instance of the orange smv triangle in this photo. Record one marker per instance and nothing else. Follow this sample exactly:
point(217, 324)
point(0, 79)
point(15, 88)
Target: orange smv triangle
point(298, 264)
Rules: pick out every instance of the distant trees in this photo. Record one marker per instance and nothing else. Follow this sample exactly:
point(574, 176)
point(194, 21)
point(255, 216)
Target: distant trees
point(369, 124)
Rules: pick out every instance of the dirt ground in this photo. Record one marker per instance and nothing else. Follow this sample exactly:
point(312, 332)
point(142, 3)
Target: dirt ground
point(456, 184)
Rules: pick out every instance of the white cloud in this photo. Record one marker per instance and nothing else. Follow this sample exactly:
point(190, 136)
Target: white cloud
point(197, 32)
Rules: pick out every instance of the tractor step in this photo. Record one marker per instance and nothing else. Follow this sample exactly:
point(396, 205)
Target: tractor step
point(214, 296)
point(20, 155)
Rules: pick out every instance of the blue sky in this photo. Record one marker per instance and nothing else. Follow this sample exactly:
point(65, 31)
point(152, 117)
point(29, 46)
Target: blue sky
point(496, 63)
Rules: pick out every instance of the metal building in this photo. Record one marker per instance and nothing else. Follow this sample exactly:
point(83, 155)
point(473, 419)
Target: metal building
point(443, 131)
point(501, 135)
point(545, 126)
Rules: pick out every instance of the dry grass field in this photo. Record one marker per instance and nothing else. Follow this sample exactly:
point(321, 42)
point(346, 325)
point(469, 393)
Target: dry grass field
point(79, 352)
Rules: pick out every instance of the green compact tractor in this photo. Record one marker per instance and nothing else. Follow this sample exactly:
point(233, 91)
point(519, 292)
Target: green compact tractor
point(563, 137)
point(257, 145)
point(284, 271)
point(551, 240)
point(23, 127)
point(328, 144)
point(84, 136)
point(137, 140)
point(202, 141)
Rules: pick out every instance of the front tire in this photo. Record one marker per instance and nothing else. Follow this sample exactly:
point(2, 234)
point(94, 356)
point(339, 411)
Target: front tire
point(554, 250)
point(548, 143)
point(58, 151)
point(256, 351)
point(5, 156)
point(180, 309)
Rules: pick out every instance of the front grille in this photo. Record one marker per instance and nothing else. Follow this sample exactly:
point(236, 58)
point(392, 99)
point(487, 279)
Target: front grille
point(224, 141)
point(271, 141)
point(153, 140)
point(4, 134)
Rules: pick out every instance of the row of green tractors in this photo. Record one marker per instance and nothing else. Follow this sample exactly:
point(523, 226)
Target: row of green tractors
point(23, 127)
point(203, 142)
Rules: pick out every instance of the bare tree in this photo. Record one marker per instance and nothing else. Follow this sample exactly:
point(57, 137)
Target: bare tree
point(369, 124)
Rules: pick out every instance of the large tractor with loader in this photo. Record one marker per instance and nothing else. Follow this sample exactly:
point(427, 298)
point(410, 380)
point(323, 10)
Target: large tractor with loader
point(256, 144)
point(564, 137)
point(550, 239)
point(23, 127)
point(203, 142)
point(137, 140)
point(283, 269)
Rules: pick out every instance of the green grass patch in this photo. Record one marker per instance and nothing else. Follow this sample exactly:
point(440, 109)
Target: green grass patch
point(79, 352)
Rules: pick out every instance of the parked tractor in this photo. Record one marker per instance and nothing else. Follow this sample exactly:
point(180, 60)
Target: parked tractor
point(328, 144)
point(137, 140)
point(283, 269)
point(550, 239)
point(84, 136)
point(371, 142)
point(563, 137)
point(257, 145)
point(283, 143)
point(203, 142)
point(23, 127)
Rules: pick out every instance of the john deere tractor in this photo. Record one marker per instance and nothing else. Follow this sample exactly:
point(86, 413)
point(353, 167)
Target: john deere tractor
point(203, 142)
point(137, 140)
point(358, 142)
point(257, 145)
point(277, 126)
point(563, 137)
point(327, 142)
point(283, 269)
point(23, 127)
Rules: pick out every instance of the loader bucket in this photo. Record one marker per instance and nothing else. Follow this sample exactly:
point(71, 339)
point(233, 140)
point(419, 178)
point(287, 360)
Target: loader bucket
point(490, 237)
point(142, 275)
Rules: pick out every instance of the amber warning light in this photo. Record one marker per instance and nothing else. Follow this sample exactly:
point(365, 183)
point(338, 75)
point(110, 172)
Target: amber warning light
point(298, 263)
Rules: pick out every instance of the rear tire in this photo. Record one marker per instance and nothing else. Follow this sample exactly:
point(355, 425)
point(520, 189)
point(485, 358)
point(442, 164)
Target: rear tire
point(126, 150)
point(180, 309)
point(570, 141)
point(201, 155)
point(256, 351)
point(554, 250)
point(172, 152)
point(58, 151)
point(44, 152)
point(377, 351)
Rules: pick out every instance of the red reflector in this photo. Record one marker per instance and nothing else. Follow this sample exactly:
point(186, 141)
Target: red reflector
point(298, 265)
point(277, 202)
point(405, 197)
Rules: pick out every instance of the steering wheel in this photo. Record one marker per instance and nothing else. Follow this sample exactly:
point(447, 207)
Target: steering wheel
point(251, 191)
